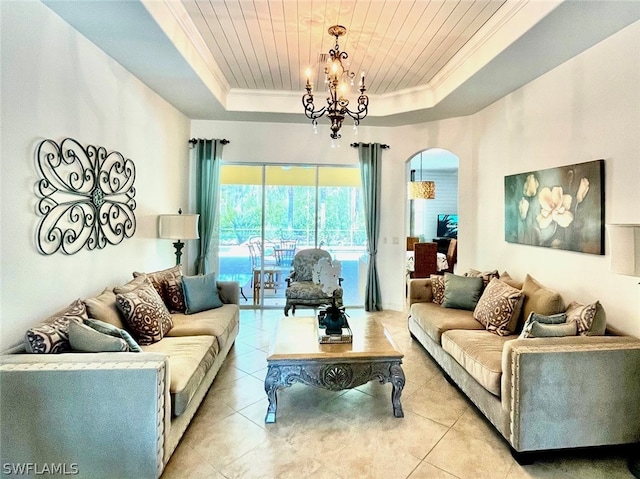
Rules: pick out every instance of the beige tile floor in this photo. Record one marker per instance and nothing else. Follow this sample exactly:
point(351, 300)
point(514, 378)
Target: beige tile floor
point(353, 434)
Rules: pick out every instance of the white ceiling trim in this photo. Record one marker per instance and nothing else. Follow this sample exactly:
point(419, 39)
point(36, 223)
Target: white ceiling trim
point(510, 22)
point(175, 22)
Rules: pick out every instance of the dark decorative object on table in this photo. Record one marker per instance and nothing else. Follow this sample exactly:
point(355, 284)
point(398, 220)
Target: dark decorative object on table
point(333, 319)
point(86, 197)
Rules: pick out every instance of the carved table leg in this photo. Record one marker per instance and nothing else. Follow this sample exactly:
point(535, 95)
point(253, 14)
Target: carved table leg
point(271, 384)
point(397, 380)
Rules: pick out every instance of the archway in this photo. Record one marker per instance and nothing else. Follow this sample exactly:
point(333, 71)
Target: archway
point(434, 220)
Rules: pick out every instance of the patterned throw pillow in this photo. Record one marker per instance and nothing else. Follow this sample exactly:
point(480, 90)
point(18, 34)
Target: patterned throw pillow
point(145, 313)
point(168, 284)
point(52, 335)
point(499, 308)
point(486, 276)
point(590, 318)
point(437, 288)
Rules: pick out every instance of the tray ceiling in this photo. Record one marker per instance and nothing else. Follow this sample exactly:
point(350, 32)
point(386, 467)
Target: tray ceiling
point(423, 59)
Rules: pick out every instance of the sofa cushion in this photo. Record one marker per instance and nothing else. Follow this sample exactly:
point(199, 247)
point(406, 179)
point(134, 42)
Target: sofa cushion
point(111, 330)
point(200, 293)
point(435, 320)
point(461, 292)
point(219, 322)
point(506, 278)
point(104, 308)
point(87, 340)
point(190, 358)
point(131, 285)
point(499, 308)
point(145, 313)
point(479, 353)
point(591, 319)
point(539, 299)
point(168, 284)
point(486, 276)
point(52, 335)
point(437, 288)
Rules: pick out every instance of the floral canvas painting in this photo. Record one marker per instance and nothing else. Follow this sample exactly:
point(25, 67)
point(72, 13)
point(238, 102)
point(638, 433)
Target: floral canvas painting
point(557, 207)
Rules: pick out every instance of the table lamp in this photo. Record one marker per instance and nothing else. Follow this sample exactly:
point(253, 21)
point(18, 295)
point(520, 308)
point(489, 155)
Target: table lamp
point(178, 227)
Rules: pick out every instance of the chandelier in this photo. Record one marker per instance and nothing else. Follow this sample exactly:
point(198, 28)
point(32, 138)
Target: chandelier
point(336, 78)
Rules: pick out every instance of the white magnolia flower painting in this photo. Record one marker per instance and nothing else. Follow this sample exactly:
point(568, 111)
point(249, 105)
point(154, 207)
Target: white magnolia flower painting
point(559, 208)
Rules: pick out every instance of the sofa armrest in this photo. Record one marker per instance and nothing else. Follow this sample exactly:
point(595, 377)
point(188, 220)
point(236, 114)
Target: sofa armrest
point(419, 291)
point(229, 292)
point(571, 392)
point(100, 414)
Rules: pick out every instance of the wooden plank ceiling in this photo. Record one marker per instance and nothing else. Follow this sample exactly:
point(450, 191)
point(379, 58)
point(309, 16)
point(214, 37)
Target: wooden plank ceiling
point(267, 45)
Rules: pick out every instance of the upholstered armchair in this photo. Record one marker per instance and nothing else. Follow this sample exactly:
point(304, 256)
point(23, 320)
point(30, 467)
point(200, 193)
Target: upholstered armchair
point(301, 290)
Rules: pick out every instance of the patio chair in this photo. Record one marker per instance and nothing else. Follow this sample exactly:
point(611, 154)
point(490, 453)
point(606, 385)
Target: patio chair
point(301, 290)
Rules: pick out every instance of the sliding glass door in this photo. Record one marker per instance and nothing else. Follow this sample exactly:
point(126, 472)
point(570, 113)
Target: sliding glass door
point(269, 212)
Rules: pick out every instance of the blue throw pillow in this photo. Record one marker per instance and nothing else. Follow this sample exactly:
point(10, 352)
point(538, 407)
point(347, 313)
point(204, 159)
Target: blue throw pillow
point(111, 330)
point(461, 292)
point(201, 293)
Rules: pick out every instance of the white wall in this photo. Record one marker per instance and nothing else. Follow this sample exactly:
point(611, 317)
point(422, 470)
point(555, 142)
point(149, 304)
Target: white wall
point(56, 84)
point(586, 109)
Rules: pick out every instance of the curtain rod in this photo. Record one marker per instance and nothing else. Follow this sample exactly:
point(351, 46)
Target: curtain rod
point(193, 141)
point(356, 145)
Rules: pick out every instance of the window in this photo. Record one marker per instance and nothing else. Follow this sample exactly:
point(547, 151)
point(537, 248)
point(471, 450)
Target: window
point(266, 210)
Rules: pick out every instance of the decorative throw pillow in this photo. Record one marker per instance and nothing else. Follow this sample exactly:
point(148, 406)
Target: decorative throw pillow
point(486, 276)
point(201, 293)
point(506, 278)
point(461, 292)
point(539, 299)
point(168, 284)
point(104, 308)
point(111, 330)
point(52, 335)
point(145, 313)
point(590, 319)
point(437, 288)
point(537, 319)
point(87, 340)
point(141, 280)
point(131, 285)
point(541, 330)
point(499, 308)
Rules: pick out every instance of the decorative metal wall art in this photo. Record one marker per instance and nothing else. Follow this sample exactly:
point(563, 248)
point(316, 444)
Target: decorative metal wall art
point(86, 197)
point(559, 207)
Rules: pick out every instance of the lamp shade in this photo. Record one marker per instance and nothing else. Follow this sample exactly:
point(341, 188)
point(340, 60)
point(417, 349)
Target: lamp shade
point(421, 190)
point(178, 227)
point(624, 242)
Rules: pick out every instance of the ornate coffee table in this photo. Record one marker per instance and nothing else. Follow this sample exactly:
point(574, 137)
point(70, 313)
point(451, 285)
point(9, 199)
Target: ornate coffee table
point(296, 356)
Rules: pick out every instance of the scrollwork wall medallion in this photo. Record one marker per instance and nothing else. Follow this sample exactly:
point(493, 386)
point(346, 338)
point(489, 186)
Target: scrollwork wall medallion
point(86, 197)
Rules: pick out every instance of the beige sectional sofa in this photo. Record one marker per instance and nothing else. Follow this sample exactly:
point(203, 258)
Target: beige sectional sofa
point(113, 414)
point(540, 393)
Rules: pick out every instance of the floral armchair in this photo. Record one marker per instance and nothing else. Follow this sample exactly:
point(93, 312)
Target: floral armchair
point(301, 289)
